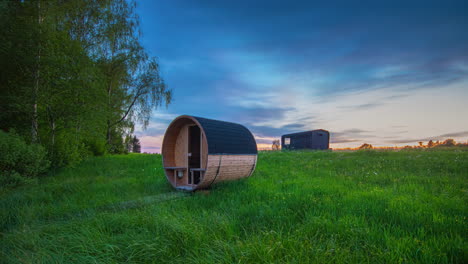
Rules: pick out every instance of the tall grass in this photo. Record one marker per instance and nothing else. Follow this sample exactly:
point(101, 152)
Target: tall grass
point(298, 207)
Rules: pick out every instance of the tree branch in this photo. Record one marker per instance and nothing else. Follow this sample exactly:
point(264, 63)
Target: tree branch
point(139, 93)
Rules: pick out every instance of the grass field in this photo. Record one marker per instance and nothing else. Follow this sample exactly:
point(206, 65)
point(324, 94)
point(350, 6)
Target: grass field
point(298, 207)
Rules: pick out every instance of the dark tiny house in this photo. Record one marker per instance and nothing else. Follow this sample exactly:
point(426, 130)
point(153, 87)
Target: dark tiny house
point(314, 139)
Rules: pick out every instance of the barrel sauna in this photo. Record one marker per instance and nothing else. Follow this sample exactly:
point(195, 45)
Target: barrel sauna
point(198, 152)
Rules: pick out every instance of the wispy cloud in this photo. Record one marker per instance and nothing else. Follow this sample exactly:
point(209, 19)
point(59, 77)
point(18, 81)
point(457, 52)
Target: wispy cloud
point(439, 137)
point(352, 69)
point(336, 140)
point(361, 106)
point(350, 135)
point(255, 115)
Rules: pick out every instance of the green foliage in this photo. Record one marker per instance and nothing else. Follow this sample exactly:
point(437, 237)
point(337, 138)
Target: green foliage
point(74, 74)
point(136, 146)
point(68, 151)
point(96, 146)
point(298, 207)
point(115, 143)
point(19, 160)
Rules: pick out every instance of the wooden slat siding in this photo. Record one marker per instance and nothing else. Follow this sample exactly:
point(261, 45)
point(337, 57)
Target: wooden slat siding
point(204, 152)
point(210, 173)
point(180, 153)
point(181, 159)
point(169, 157)
point(233, 167)
point(207, 164)
point(254, 166)
point(181, 146)
point(234, 141)
point(173, 146)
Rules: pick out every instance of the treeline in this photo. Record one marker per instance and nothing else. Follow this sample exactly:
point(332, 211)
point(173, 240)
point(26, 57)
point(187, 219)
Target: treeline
point(74, 76)
point(74, 82)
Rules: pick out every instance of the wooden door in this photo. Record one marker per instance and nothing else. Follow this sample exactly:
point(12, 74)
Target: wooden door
point(194, 154)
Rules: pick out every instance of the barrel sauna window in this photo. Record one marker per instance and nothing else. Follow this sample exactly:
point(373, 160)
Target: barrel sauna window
point(198, 152)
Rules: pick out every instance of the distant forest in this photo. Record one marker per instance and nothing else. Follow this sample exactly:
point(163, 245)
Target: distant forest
point(74, 77)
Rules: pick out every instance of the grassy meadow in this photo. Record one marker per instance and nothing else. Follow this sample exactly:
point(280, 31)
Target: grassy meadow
point(298, 207)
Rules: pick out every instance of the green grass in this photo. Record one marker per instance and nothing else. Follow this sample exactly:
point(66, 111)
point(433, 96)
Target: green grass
point(298, 207)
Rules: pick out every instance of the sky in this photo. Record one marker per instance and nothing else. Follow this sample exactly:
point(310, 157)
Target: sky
point(388, 73)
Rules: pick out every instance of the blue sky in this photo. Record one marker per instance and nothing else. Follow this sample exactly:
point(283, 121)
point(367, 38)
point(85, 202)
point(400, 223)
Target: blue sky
point(386, 73)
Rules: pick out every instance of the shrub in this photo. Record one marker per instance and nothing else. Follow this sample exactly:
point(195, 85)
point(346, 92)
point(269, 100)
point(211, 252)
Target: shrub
point(68, 151)
point(96, 147)
point(366, 146)
point(20, 161)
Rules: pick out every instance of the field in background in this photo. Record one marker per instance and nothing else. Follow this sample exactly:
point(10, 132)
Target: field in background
point(325, 207)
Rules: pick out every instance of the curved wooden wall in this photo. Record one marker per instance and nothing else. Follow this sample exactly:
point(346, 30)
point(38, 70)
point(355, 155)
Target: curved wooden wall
point(218, 167)
point(227, 167)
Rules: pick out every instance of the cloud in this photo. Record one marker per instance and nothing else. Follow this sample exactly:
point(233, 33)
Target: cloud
point(256, 115)
point(456, 134)
point(440, 137)
point(267, 131)
point(344, 136)
point(152, 148)
point(350, 135)
point(151, 132)
point(263, 141)
point(353, 131)
point(361, 106)
point(394, 97)
point(336, 140)
point(296, 126)
point(377, 103)
point(286, 68)
point(151, 143)
point(275, 132)
point(156, 127)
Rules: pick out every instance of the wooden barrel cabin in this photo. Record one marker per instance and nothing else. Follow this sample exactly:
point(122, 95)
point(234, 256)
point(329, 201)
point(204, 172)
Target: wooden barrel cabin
point(198, 152)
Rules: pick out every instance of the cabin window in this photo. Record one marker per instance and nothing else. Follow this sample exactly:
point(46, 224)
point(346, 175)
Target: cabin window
point(287, 141)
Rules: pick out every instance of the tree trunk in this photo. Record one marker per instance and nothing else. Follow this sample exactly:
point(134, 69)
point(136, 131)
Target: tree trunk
point(52, 127)
point(35, 128)
point(109, 101)
point(108, 136)
point(109, 126)
point(53, 133)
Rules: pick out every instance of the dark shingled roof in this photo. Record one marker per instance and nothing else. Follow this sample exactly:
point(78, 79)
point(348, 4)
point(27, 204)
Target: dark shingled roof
point(227, 138)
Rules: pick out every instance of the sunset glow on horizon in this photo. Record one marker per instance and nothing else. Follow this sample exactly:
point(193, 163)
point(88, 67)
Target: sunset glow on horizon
point(387, 74)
